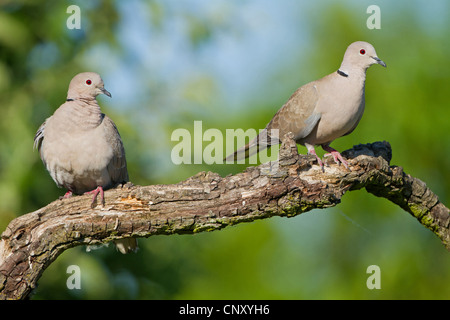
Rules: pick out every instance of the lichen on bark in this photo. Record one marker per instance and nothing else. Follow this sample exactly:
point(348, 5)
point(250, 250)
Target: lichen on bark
point(207, 202)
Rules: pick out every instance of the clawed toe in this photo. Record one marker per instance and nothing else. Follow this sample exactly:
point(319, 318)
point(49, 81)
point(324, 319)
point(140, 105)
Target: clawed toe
point(67, 195)
point(337, 157)
point(95, 192)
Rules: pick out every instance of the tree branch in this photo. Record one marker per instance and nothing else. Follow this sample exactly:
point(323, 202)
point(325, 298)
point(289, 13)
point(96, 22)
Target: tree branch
point(207, 202)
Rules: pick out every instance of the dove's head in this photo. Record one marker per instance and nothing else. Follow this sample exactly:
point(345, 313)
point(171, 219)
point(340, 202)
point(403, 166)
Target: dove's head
point(87, 85)
point(360, 55)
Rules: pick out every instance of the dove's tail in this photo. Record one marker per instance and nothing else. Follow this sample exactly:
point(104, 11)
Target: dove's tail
point(126, 245)
point(259, 143)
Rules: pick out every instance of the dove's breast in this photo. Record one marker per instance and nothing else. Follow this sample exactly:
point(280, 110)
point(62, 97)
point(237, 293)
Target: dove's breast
point(76, 159)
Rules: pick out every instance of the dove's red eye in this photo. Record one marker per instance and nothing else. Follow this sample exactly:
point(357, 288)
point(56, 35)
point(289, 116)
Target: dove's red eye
point(362, 51)
point(88, 82)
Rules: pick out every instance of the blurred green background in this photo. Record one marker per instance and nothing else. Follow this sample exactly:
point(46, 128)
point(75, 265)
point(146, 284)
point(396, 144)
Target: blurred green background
point(233, 64)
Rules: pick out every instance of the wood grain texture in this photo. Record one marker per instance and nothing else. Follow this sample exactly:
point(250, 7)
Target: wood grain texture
point(207, 202)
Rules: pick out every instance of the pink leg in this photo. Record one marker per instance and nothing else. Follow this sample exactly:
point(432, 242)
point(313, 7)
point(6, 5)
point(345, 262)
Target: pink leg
point(95, 192)
point(68, 194)
point(311, 151)
point(335, 154)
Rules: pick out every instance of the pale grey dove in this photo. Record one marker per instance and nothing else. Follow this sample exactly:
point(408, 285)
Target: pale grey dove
point(81, 147)
point(322, 110)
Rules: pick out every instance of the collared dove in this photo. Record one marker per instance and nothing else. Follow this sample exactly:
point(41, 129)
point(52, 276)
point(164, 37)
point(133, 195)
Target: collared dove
point(322, 110)
point(81, 147)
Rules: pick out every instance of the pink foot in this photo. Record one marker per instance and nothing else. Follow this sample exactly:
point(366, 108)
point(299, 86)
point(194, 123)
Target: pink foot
point(311, 151)
point(95, 192)
point(336, 155)
point(68, 194)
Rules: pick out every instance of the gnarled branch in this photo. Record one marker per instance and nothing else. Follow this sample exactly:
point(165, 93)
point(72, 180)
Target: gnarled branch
point(206, 202)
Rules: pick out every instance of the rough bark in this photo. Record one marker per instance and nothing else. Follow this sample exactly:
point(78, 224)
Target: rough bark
point(207, 202)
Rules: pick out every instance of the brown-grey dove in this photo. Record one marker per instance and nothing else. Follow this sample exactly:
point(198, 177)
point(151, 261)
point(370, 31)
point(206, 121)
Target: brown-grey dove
point(81, 147)
point(322, 110)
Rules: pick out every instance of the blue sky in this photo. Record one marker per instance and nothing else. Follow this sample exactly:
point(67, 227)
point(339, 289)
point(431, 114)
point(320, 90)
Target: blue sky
point(247, 43)
point(252, 41)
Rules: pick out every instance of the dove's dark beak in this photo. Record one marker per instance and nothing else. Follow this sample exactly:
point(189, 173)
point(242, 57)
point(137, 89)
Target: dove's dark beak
point(379, 61)
point(105, 92)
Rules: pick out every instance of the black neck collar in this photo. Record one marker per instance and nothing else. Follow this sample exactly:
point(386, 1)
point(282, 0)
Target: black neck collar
point(342, 73)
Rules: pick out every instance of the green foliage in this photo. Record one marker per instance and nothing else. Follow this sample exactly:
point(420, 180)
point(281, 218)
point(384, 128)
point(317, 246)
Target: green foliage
point(168, 64)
